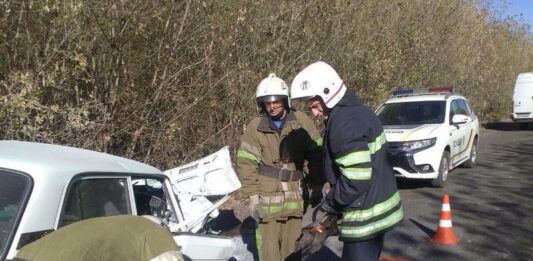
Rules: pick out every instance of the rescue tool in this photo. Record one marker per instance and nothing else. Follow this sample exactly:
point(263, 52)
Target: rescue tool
point(314, 234)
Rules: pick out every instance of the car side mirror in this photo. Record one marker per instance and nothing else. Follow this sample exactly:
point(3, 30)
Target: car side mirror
point(460, 119)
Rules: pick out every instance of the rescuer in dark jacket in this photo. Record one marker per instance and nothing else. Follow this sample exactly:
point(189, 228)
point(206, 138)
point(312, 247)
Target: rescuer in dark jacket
point(363, 186)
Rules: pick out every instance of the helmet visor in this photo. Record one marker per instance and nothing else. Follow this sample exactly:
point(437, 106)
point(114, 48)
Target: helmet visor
point(299, 103)
point(271, 98)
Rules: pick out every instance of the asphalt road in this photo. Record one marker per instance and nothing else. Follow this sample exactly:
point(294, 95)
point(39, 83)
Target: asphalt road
point(491, 205)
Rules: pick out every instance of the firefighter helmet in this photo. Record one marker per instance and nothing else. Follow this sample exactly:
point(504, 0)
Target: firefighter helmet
point(272, 89)
point(318, 79)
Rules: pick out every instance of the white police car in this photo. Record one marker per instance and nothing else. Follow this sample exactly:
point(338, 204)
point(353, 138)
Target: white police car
point(429, 132)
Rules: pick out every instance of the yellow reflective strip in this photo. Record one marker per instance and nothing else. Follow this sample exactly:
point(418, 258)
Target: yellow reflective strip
point(293, 204)
point(409, 133)
point(376, 145)
point(247, 155)
point(315, 144)
point(354, 158)
point(319, 141)
point(357, 173)
point(350, 231)
point(366, 214)
point(249, 147)
point(470, 139)
point(290, 205)
point(259, 241)
point(267, 210)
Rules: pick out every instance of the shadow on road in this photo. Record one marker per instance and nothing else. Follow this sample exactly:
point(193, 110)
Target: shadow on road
point(508, 126)
point(500, 192)
point(491, 204)
point(430, 232)
point(406, 184)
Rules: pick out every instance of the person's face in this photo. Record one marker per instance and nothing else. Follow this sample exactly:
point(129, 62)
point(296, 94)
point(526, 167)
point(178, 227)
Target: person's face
point(316, 107)
point(275, 108)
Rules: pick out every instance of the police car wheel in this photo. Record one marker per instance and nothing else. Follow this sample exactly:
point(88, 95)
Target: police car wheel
point(471, 162)
point(443, 171)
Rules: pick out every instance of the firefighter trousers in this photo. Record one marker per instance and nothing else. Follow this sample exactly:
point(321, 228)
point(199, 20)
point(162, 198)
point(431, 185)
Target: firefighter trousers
point(276, 240)
point(368, 250)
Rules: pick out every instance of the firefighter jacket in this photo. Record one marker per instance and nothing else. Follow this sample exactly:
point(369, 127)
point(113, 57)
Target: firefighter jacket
point(363, 186)
point(270, 163)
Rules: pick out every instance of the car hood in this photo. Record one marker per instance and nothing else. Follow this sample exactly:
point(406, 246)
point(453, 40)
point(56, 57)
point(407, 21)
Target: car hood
point(201, 187)
point(212, 175)
point(400, 133)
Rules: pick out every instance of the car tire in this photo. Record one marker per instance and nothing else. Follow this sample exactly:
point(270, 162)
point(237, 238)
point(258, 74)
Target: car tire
point(444, 168)
point(471, 162)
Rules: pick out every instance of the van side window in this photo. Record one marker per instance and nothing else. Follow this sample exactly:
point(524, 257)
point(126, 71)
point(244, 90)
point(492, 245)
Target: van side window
point(96, 197)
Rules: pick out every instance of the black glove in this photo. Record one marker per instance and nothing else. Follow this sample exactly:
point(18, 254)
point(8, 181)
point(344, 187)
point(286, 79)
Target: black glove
point(326, 207)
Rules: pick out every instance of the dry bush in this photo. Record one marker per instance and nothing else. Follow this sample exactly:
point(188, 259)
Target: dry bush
point(165, 82)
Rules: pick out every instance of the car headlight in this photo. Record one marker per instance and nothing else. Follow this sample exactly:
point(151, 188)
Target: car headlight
point(419, 144)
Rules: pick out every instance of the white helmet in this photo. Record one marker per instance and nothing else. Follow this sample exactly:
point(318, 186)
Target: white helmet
point(318, 79)
point(272, 89)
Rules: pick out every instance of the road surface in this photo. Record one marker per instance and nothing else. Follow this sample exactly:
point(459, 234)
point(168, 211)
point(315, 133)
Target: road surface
point(491, 205)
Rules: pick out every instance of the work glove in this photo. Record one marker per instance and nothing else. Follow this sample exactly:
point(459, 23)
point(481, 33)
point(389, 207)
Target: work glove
point(253, 206)
point(326, 207)
point(314, 235)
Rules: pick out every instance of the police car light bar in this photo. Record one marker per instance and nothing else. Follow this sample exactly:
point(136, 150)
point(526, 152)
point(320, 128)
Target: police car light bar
point(440, 89)
point(401, 92)
point(432, 90)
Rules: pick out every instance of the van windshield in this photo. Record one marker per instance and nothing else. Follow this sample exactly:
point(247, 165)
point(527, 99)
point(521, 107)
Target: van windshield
point(412, 113)
point(13, 190)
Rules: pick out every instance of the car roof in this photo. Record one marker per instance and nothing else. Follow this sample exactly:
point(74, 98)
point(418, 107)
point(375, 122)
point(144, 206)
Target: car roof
point(52, 168)
point(423, 97)
point(40, 158)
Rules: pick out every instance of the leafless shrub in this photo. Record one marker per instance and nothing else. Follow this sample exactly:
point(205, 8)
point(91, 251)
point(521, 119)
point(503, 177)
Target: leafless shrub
point(168, 81)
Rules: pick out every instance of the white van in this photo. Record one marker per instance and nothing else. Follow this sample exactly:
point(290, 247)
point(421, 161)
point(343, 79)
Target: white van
point(523, 100)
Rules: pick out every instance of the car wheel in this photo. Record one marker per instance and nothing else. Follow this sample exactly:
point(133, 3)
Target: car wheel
point(444, 167)
point(471, 162)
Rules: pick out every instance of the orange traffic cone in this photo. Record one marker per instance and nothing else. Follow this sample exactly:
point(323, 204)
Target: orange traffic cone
point(444, 234)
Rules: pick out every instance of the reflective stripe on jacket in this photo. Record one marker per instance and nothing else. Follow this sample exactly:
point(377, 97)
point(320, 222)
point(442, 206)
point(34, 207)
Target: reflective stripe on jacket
point(356, 165)
point(297, 141)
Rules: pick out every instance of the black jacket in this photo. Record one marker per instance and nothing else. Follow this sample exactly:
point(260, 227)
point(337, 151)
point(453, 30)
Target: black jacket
point(362, 181)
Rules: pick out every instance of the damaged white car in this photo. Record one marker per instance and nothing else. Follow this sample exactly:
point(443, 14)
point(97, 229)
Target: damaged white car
point(44, 187)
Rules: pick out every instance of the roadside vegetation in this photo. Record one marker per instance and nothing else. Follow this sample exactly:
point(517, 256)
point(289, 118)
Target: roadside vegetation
point(165, 82)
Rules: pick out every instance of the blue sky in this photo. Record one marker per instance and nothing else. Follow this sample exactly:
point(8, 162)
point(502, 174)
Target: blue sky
point(516, 8)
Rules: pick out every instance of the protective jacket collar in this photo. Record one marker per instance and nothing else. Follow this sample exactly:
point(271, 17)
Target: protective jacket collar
point(266, 124)
point(349, 99)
